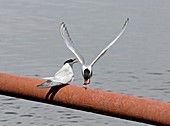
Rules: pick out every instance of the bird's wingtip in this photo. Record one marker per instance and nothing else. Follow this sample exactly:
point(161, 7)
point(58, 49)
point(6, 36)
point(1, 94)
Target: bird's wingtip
point(62, 24)
point(40, 86)
point(127, 20)
point(45, 84)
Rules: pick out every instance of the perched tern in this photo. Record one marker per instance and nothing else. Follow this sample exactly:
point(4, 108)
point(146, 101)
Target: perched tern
point(63, 76)
point(86, 69)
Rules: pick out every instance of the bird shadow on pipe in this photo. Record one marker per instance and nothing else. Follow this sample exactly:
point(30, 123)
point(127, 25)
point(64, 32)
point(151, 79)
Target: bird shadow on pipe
point(52, 92)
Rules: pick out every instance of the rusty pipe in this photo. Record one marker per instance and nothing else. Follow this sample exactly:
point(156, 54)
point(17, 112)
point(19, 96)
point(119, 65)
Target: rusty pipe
point(97, 101)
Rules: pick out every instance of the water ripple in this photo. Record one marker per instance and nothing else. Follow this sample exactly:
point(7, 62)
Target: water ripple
point(168, 92)
point(134, 77)
point(168, 70)
point(154, 73)
point(33, 75)
point(37, 75)
point(16, 107)
point(4, 120)
point(35, 107)
point(72, 121)
point(109, 90)
point(159, 89)
point(67, 114)
point(18, 122)
point(11, 113)
point(73, 117)
point(126, 72)
point(8, 103)
point(8, 99)
point(26, 115)
point(60, 111)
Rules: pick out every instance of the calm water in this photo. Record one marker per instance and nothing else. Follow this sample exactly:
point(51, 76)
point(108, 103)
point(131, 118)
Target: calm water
point(31, 45)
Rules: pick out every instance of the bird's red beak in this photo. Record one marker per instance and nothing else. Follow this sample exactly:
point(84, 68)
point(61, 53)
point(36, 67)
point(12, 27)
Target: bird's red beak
point(86, 82)
point(75, 60)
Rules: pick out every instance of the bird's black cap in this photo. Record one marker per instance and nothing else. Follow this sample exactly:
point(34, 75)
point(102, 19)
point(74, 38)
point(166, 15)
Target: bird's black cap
point(69, 61)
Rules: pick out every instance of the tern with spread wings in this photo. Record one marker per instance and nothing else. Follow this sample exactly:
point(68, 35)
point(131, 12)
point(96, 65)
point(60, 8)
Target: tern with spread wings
point(86, 69)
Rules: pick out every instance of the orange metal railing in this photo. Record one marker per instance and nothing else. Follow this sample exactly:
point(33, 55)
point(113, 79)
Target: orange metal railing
point(97, 101)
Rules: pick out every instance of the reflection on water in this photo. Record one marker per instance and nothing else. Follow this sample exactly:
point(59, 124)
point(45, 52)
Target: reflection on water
point(31, 45)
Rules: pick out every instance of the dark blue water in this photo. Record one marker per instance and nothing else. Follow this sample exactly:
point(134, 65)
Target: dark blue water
point(31, 45)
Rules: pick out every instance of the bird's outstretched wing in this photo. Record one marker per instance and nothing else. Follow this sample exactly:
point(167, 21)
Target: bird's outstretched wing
point(106, 48)
point(67, 39)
